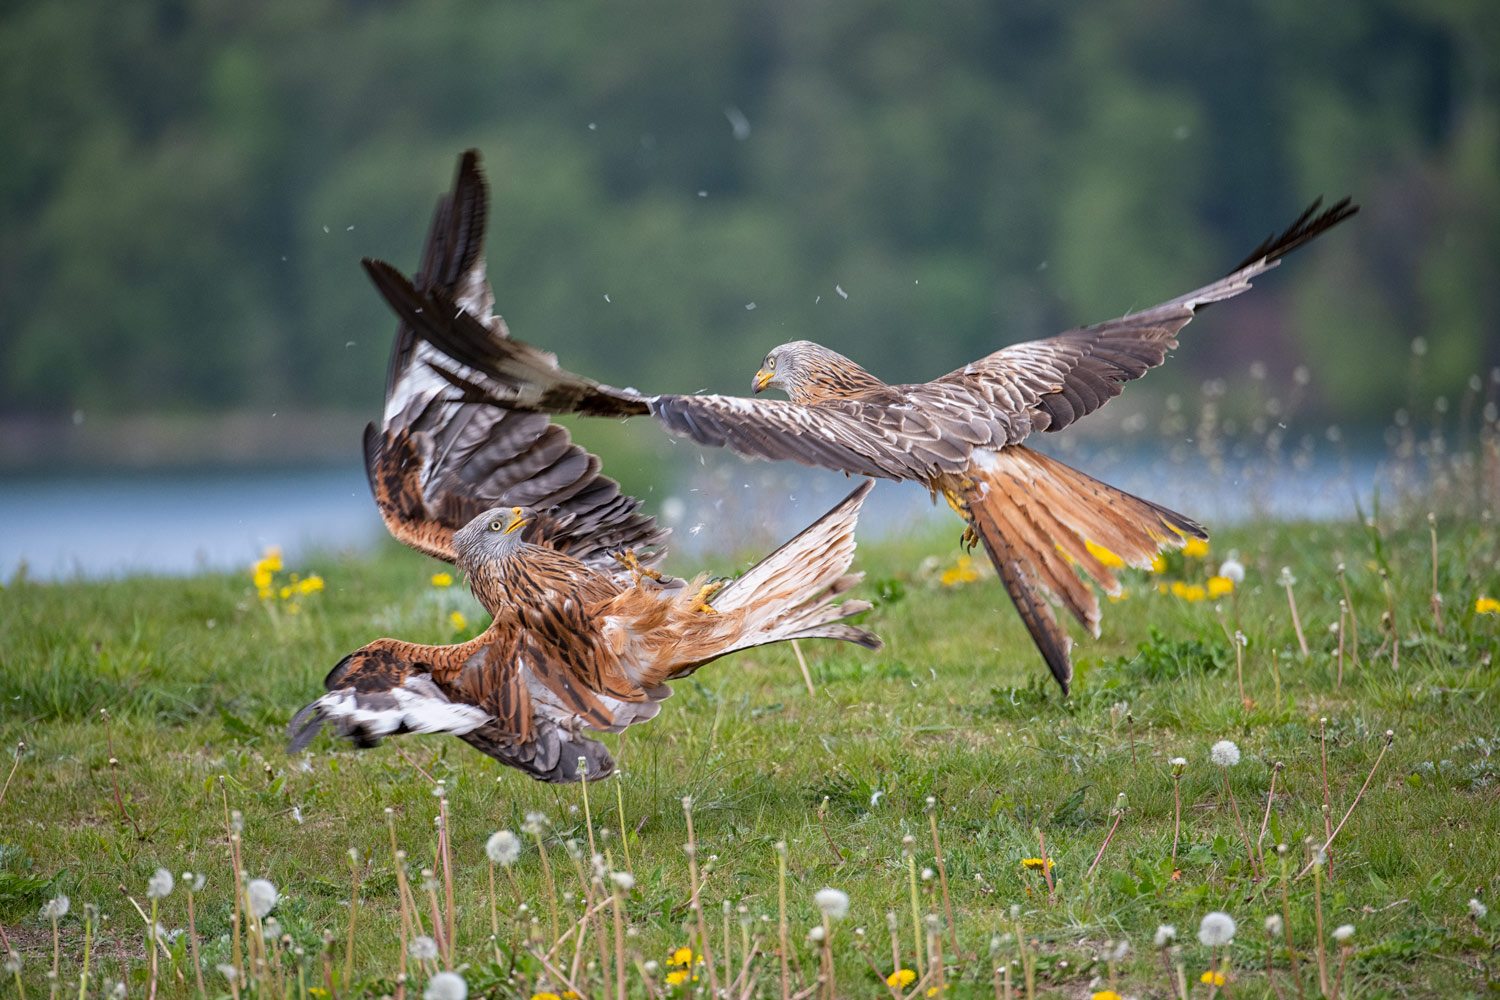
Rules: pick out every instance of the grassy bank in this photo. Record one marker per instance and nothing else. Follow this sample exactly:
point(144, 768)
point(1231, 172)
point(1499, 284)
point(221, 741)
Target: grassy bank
point(950, 729)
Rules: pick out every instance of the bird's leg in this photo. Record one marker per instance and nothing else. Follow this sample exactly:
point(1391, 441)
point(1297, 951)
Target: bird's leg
point(700, 603)
point(960, 507)
point(628, 559)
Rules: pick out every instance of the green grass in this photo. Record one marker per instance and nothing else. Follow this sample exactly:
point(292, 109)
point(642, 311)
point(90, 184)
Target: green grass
point(199, 677)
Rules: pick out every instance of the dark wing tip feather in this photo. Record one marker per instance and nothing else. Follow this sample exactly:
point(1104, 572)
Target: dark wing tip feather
point(303, 727)
point(1304, 229)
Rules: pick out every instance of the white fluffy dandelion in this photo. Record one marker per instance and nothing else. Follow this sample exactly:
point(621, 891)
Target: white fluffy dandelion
point(1232, 570)
point(1224, 753)
point(1273, 925)
point(13, 962)
point(816, 933)
point(1165, 935)
point(1286, 579)
point(262, 896)
point(1343, 932)
point(503, 847)
point(1477, 910)
point(536, 824)
point(446, 986)
point(422, 948)
point(1217, 928)
point(193, 882)
point(624, 880)
point(55, 908)
point(834, 903)
point(160, 885)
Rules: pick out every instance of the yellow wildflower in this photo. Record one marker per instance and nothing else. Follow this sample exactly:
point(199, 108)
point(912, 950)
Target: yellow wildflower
point(1117, 598)
point(570, 995)
point(262, 580)
point(1158, 563)
point(932, 991)
point(901, 978)
point(442, 579)
point(1161, 588)
point(1195, 548)
point(962, 571)
point(1106, 995)
point(1188, 591)
point(1035, 864)
point(458, 621)
point(286, 592)
point(312, 583)
point(1218, 586)
point(682, 956)
point(317, 991)
point(1487, 606)
point(271, 561)
point(1213, 978)
point(1102, 554)
point(534, 996)
point(678, 977)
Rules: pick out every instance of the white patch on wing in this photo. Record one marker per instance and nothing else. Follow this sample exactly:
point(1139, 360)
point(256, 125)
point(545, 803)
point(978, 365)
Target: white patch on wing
point(419, 706)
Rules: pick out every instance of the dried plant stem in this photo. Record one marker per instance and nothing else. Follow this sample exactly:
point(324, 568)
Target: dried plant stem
point(449, 926)
point(109, 743)
point(150, 938)
point(1291, 602)
point(1317, 868)
point(823, 822)
point(918, 953)
point(588, 816)
point(353, 916)
point(1119, 815)
point(234, 859)
point(1239, 667)
point(1338, 979)
point(781, 917)
point(1389, 736)
point(802, 662)
point(1233, 805)
point(1266, 819)
point(1286, 925)
point(551, 883)
point(20, 749)
point(1353, 622)
point(1130, 725)
point(937, 849)
point(1327, 799)
point(620, 806)
point(1027, 968)
point(1177, 815)
point(193, 942)
point(1437, 598)
point(1343, 614)
point(619, 905)
point(696, 902)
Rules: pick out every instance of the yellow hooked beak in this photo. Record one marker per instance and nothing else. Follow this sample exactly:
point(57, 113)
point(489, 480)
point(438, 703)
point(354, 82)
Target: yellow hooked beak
point(762, 377)
point(517, 519)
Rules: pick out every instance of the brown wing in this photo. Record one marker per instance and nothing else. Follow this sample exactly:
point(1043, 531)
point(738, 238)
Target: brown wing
point(1047, 384)
point(438, 459)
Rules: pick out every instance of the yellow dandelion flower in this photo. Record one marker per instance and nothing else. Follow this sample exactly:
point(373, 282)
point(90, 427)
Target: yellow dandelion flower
point(458, 621)
point(1106, 995)
point(1158, 563)
point(1161, 588)
point(1195, 548)
point(534, 996)
point(1212, 978)
point(264, 592)
point(682, 956)
point(1487, 606)
point(678, 977)
point(311, 584)
point(962, 571)
point(285, 592)
point(570, 995)
point(1102, 554)
point(271, 560)
point(901, 978)
point(1117, 598)
point(1035, 864)
point(933, 991)
point(317, 991)
point(262, 580)
point(442, 579)
point(1218, 586)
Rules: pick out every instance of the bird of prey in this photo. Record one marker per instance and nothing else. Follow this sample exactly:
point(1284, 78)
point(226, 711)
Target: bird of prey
point(586, 634)
point(1041, 522)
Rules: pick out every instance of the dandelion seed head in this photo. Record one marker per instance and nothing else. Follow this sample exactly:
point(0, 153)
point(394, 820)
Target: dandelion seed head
point(446, 986)
point(91, 912)
point(422, 948)
point(229, 972)
point(928, 874)
point(1179, 764)
point(1015, 911)
point(1477, 910)
point(1224, 753)
point(815, 933)
point(536, 824)
point(1165, 935)
point(1286, 579)
point(834, 903)
point(1343, 932)
point(13, 963)
point(626, 882)
point(118, 993)
point(237, 821)
point(1232, 570)
point(262, 896)
point(55, 908)
point(1274, 925)
point(1121, 949)
point(1216, 928)
point(159, 886)
point(503, 847)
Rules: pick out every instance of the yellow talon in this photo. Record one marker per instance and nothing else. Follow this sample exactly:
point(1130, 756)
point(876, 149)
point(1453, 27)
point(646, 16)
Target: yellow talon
point(970, 537)
point(628, 559)
point(700, 603)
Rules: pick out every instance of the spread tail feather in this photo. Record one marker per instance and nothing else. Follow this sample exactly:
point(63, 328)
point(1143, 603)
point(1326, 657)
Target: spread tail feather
point(1040, 519)
point(790, 594)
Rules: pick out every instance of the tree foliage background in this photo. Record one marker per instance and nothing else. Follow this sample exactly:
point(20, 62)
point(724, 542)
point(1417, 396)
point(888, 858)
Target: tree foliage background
point(187, 188)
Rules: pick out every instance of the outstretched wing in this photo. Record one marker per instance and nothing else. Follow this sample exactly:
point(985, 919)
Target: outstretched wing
point(439, 458)
point(1047, 384)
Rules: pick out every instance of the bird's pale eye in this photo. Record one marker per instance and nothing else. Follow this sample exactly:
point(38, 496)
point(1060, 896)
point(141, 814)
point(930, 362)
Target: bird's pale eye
point(770, 364)
point(496, 526)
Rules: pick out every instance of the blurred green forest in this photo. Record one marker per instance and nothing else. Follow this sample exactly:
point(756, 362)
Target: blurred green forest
point(187, 188)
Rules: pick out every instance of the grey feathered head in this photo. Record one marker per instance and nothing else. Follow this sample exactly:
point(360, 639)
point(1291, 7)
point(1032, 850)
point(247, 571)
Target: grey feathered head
point(495, 534)
point(807, 372)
